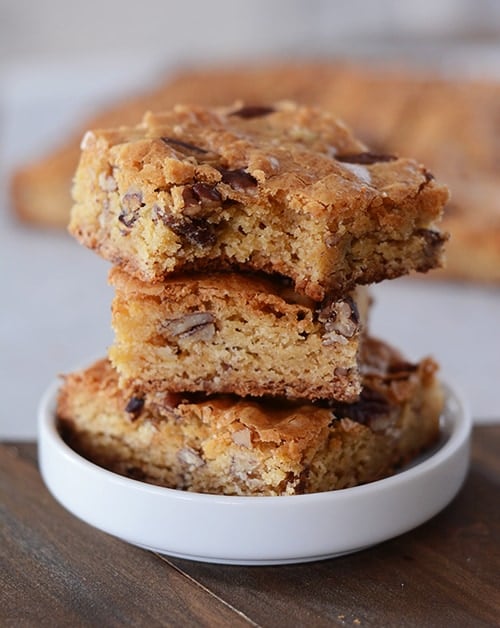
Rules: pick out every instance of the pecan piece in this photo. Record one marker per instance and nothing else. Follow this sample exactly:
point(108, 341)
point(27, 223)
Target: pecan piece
point(190, 457)
point(242, 437)
point(130, 206)
point(197, 325)
point(340, 320)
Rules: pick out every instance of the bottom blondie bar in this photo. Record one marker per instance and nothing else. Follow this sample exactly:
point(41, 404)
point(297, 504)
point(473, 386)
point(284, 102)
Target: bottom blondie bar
point(239, 446)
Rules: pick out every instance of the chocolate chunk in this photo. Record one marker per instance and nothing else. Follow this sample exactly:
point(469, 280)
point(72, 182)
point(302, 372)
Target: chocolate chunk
point(200, 196)
point(239, 179)
point(134, 407)
point(364, 159)
point(370, 407)
point(255, 111)
point(170, 141)
point(196, 231)
point(207, 194)
point(190, 198)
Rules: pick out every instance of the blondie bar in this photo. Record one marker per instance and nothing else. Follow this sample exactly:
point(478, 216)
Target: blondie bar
point(235, 333)
point(449, 123)
point(229, 445)
point(281, 189)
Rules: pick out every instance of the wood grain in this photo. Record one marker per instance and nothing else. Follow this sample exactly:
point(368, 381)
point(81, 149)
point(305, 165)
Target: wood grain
point(445, 573)
point(57, 571)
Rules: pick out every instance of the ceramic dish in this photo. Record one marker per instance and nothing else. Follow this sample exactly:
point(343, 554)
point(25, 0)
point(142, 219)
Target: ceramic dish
point(256, 530)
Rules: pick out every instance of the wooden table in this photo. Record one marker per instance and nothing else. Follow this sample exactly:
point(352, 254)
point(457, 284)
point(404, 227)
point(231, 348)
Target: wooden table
point(57, 571)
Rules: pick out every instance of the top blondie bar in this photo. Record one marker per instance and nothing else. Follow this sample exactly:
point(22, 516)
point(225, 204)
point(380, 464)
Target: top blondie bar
point(283, 189)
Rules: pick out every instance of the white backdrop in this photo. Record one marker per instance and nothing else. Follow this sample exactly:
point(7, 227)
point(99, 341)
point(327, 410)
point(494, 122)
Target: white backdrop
point(53, 29)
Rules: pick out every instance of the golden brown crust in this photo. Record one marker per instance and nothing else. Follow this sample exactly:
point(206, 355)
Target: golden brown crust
point(224, 444)
point(284, 189)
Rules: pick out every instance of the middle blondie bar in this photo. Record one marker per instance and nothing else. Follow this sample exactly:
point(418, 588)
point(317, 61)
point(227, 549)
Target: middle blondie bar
point(234, 333)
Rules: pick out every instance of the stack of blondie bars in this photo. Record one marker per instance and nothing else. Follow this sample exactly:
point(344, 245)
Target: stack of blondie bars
point(242, 239)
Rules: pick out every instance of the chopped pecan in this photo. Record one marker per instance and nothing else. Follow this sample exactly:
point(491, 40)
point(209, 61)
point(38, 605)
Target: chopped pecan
point(242, 437)
point(340, 320)
point(131, 203)
point(189, 457)
point(198, 325)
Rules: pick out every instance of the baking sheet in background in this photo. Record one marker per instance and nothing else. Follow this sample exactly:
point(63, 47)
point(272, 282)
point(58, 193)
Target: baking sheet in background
point(55, 303)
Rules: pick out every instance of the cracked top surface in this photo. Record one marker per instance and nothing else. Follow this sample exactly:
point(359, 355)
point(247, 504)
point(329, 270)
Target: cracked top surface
point(280, 189)
point(299, 155)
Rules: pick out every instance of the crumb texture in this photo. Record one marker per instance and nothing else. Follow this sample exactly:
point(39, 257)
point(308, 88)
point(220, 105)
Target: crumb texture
point(228, 445)
point(231, 333)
